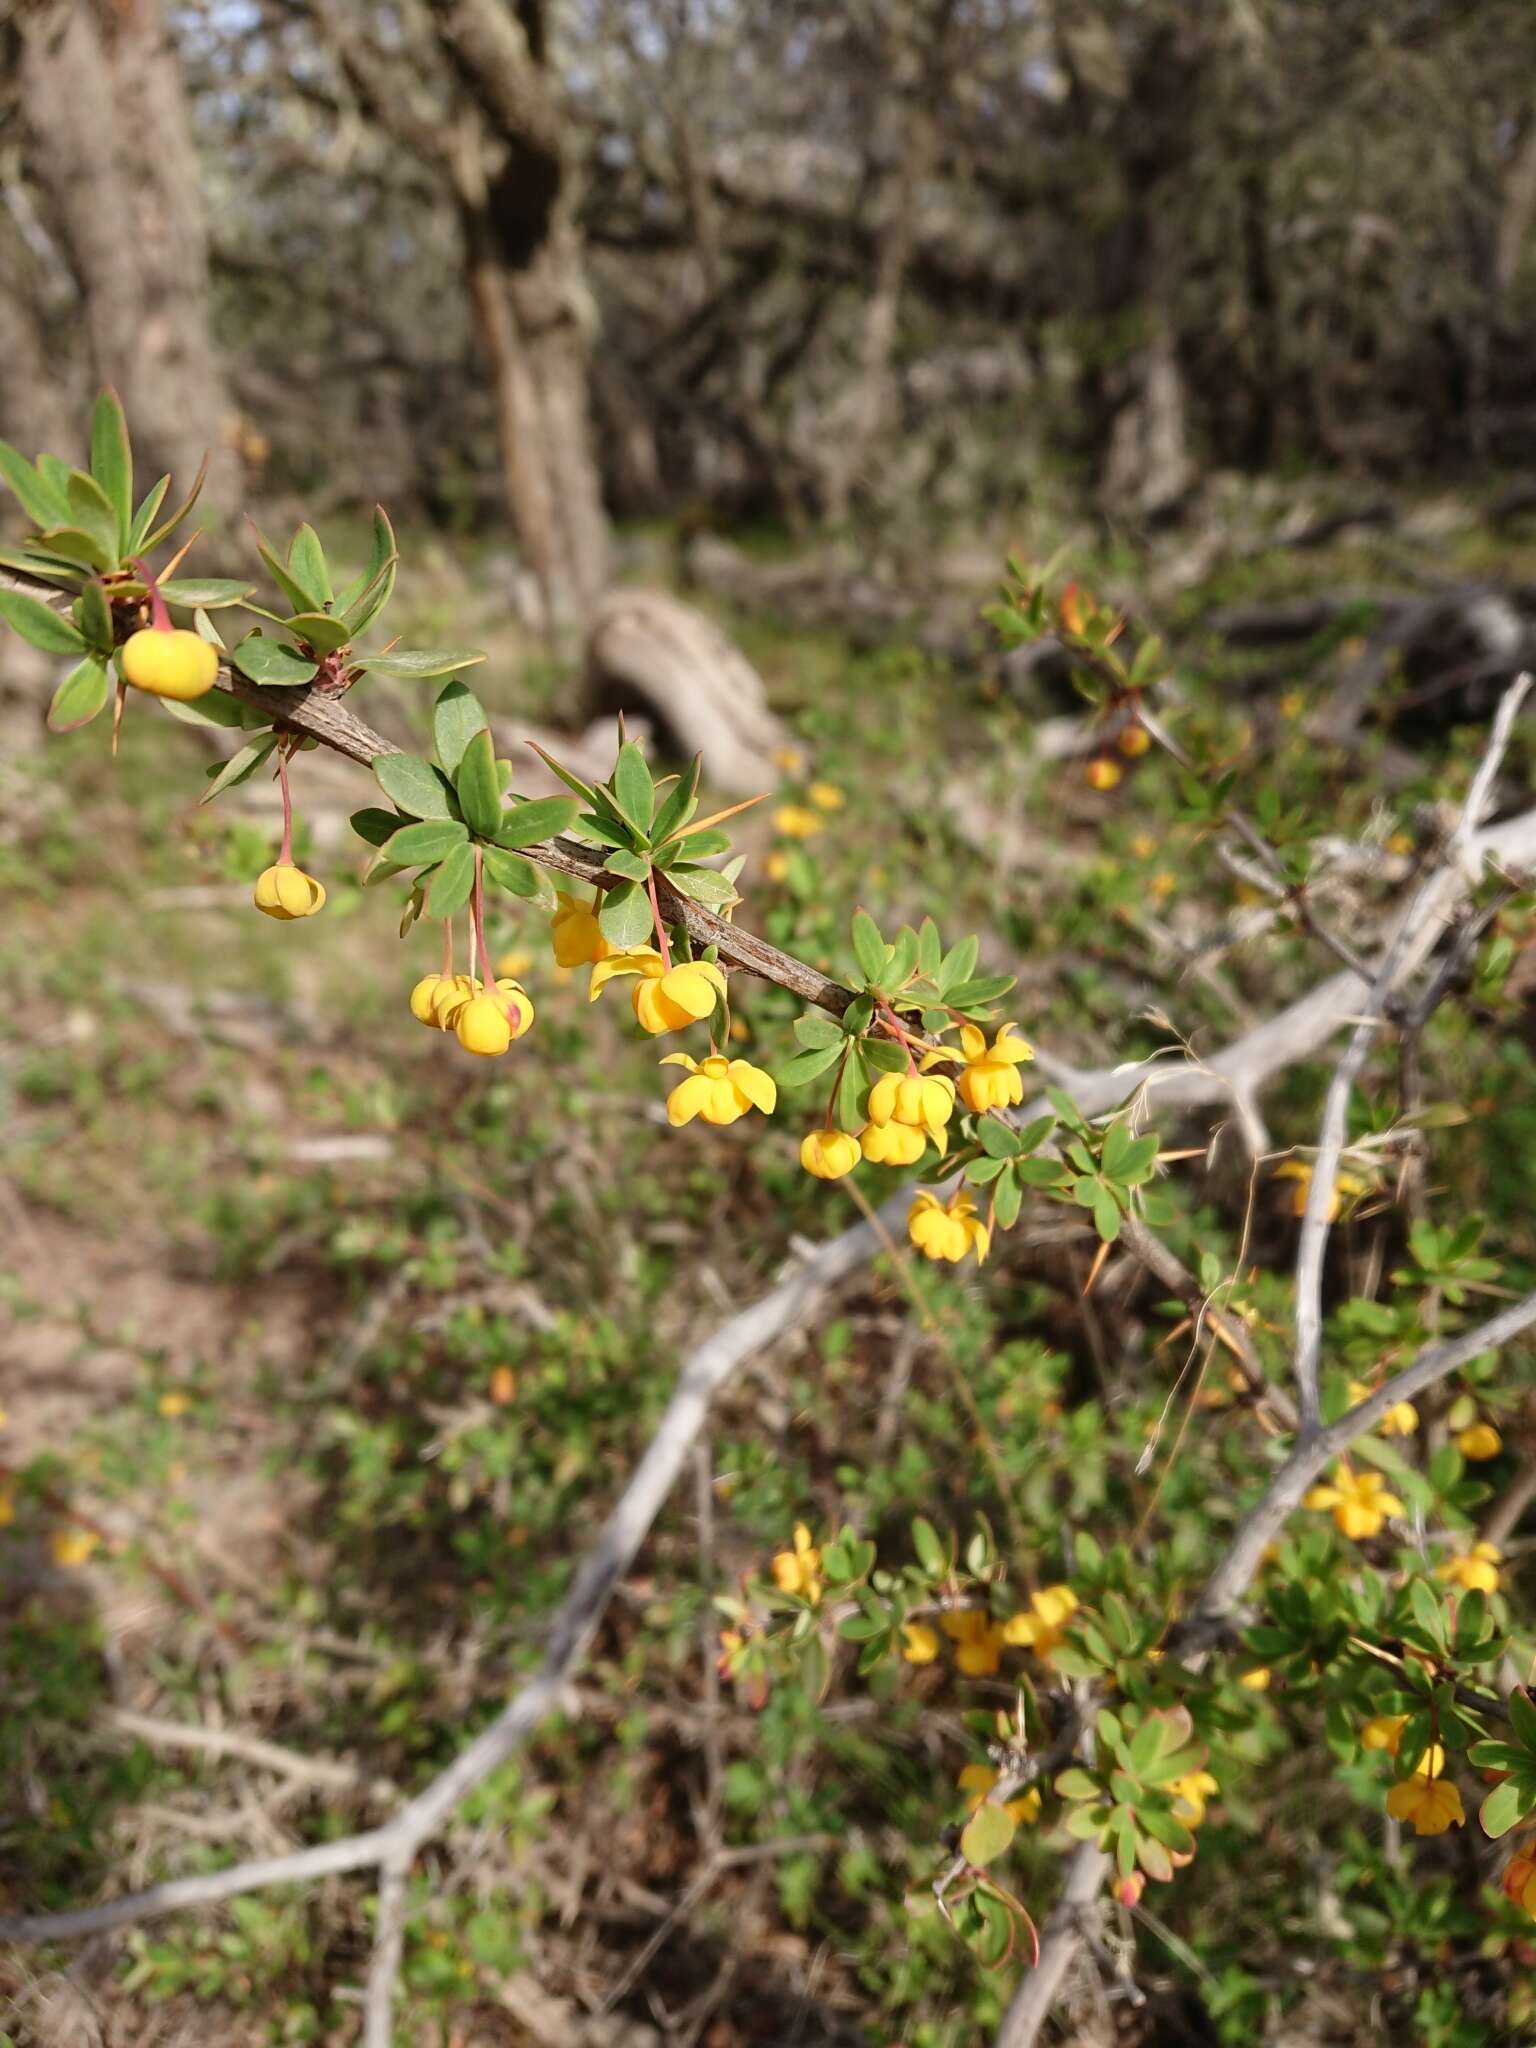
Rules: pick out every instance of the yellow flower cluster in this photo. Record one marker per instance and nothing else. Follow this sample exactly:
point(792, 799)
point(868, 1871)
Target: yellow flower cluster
point(1429, 1802)
point(1475, 1571)
point(664, 998)
point(980, 1641)
point(486, 1018)
point(1401, 1419)
point(948, 1230)
point(798, 1571)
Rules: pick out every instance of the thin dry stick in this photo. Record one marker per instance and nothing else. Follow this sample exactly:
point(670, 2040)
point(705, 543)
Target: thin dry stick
point(388, 1953)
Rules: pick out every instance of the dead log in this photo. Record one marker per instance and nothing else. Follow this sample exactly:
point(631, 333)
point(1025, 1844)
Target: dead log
point(647, 652)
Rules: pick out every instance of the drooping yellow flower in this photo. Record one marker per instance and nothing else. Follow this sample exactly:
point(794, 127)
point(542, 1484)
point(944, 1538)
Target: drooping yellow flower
point(422, 997)
point(1042, 1624)
point(72, 1546)
point(1519, 1881)
point(799, 1570)
point(1383, 1731)
point(665, 998)
point(575, 934)
point(1299, 1171)
point(168, 663)
point(977, 1639)
point(1190, 1794)
point(1480, 1442)
point(1401, 1419)
point(1475, 1570)
point(948, 1230)
point(892, 1144)
point(1430, 1804)
point(977, 1780)
point(1359, 1501)
point(826, 796)
point(925, 1101)
point(286, 892)
point(829, 1154)
point(990, 1078)
point(919, 1644)
point(453, 991)
point(794, 821)
point(718, 1089)
point(493, 1018)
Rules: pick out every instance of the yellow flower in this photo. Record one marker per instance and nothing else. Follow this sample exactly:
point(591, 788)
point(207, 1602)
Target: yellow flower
point(73, 1546)
point(168, 663)
point(1359, 1500)
point(286, 892)
point(892, 1144)
point(794, 821)
point(1102, 773)
point(575, 933)
point(1041, 1625)
point(948, 1231)
point(172, 1405)
point(512, 966)
point(1143, 846)
point(489, 1021)
point(829, 1154)
point(776, 867)
point(1431, 1804)
point(977, 1780)
point(1383, 1731)
point(1476, 1572)
point(926, 1101)
point(453, 991)
point(1190, 1794)
point(799, 1570)
point(977, 1639)
point(788, 760)
point(1134, 741)
point(719, 1090)
point(1480, 1442)
point(1299, 1171)
point(990, 1078)
point(1519, 1881)
point(919, 1644)
point(422, 996)
point(826, 796)
point(665, 998)
point(1256, 1680)
point(1401, 1419)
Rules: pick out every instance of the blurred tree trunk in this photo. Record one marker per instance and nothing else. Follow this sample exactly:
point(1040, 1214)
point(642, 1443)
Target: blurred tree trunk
point(110, 144)
point(516, 189)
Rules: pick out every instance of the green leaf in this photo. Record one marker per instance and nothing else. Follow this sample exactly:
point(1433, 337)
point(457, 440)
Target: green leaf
point(239, 767)
point(272, 663)
point(424, 844)
point(1007, 1199)
point(633, 790)
point(701, 845)
point(1077, 1784)
point(449, 885)
point(307, 567)
point(112, 460)
point(40, 624)
point(383, 552)
point(540, 818)
point(997, 1140)
point(984, 989)
point(40, 568)
point(74, 544)
point(624, 916)
point(987, 1833)
point(457, 716)
point(418, 663)
point(705, 885)
point(144, 518)
point(1106, 1215)
point(1522, 1716)
point(848, 1109)
point(1505, 1805)
point(299, 599)
point(680, 805)
point(210, 593)
point(377, 592)
point(374, 825)
point(93, 615)
point(632, 867)
point(959, 964)
point(80, 695)
point(932, 1553)
point(518, 877)
point(92, 511)
point(805, 1066)
point(868, 947)
point(415, 785)
point(167, 527)
point(817, 1030)
point(478, 786)
point(884, 1055)
point(42, 503)
point(320, 630)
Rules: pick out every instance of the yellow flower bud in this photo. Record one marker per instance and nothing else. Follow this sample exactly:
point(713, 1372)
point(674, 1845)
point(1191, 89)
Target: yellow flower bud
point(1134, 740)
point(421, 998)
point(919, 1644)
point(482, 1026)
point(165, 663)
point(1480, 1442)
point(452, 993)
point(829, 1154)
point(1101, 773)
point(286, 892)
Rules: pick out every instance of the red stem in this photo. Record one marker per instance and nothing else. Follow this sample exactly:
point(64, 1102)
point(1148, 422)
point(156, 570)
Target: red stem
point(285, 851)
point(447, 949)
point(661, 931)
point(157, 610)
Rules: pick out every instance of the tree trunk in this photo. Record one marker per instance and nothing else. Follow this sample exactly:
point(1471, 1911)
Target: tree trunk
point(111, 145)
